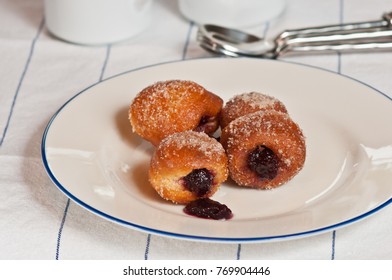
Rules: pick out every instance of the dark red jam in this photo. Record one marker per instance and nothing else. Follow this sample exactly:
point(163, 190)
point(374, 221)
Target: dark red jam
point(264, 162)
point(199, 181)
point(204, 120)
point(207, 124)
point(208, 209)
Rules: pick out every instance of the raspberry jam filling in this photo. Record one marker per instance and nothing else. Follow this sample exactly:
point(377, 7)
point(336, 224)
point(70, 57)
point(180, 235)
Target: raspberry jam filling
point(208, 209)
point(264, 162)
point(199, 181)
point(207, 124)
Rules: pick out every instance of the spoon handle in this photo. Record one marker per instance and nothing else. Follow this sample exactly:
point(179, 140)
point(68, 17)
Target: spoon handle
point(346, 47)
point(374, 39)
point(347, 37)
point(386, 21)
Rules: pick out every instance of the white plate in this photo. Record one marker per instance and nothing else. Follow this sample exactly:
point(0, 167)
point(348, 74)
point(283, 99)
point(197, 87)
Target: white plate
point(92, 155)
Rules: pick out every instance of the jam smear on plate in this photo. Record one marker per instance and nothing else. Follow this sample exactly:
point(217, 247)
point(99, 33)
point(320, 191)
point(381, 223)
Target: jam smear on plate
point(208, 209)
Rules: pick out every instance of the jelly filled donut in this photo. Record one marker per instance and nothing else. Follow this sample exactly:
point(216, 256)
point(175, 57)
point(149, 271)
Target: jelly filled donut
point(265, 149)
point(187, 166)
point(172, 106)
point(247, 103)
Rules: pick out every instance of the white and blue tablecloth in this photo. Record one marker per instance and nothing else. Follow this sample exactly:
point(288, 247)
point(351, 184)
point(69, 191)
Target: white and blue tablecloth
point(39, 73)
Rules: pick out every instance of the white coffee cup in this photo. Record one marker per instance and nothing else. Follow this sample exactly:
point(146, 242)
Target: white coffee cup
point(231, 13)
point(97, 22)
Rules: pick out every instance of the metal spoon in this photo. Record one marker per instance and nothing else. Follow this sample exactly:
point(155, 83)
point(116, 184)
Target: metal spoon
point(360, 36)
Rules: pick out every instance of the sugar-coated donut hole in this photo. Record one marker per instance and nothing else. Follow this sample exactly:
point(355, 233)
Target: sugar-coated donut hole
point(247, 103)
point(172, 106)
point(187, 166)
point(272, 129)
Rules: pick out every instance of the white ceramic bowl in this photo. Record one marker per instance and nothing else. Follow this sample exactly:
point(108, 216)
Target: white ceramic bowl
point(231, 13)
point(96, 22)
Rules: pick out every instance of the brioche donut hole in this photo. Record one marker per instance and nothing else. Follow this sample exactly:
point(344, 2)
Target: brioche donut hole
point(187, 166)
point(167, 107)
point(265, 149)
point(246, 103)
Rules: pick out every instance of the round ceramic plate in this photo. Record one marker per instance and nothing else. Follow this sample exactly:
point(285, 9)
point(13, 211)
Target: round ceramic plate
point(92, 155)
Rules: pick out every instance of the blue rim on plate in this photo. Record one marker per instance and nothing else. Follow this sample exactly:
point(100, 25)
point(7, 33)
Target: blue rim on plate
point(168, 233)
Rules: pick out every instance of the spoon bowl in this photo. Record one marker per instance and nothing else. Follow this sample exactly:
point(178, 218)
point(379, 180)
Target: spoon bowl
point(233, 42)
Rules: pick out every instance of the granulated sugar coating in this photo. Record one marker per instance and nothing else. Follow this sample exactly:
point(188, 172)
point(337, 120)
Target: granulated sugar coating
point(184, 153)
point(247, 103)
point(197, 141)
point(172, 106)
point(273, 130)
point(260, 145)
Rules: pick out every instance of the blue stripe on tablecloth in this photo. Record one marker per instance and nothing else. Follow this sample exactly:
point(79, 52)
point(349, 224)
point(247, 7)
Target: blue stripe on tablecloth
point(239, 247)
point(265, 32)
point(61, 228)
point(103, 68)
point(333, 245)
point(147, 247)
point(339, 71)
point(21, 79)
point(188, 36)
point(183, 57)
point(105, 62)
